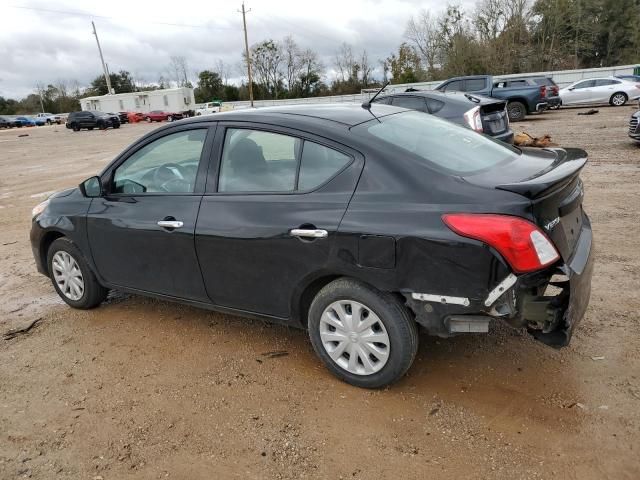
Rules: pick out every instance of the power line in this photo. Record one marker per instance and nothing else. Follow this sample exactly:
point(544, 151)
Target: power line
point(91, 15)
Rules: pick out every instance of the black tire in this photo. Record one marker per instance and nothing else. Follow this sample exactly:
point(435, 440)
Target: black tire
point(89, 128)
point(75, 127)
point(116, 125)
point(48, 122)
point(400, 327)
point(94, 293)
point(618, 99)
point(516, 111)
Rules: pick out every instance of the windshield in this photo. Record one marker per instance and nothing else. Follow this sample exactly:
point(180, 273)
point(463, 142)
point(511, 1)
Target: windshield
point(444, 145)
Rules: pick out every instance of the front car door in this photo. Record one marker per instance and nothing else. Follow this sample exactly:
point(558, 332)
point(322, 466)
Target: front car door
point(580, 93)
point(141, 231)
point(268, 227)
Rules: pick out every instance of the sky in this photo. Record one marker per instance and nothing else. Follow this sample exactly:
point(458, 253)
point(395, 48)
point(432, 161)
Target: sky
point(45, 42)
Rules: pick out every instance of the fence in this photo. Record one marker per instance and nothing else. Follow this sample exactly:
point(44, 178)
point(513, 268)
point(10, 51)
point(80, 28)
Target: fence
point(561, 77)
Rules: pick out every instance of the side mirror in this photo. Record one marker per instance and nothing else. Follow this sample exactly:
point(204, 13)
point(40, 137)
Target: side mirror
point(571, 89)
point(91, 187)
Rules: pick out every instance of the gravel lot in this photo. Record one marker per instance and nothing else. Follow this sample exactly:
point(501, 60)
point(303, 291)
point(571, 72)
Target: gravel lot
point(140, 388)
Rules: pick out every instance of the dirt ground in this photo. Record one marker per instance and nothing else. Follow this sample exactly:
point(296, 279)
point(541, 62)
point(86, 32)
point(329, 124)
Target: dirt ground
point(141, 388)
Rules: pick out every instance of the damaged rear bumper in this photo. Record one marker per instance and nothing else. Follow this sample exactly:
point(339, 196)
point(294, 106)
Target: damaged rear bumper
point(549, 304)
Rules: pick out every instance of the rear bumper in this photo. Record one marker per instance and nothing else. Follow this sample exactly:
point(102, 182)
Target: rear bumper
point(540, 107)
point(506, 137)
point(554, 101)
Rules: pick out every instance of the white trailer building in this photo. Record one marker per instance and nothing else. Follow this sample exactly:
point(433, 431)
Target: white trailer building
point(170, 100)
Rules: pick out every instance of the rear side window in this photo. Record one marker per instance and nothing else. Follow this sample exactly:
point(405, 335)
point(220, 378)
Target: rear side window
point(606, 82)
point(434, 105)
point(474, 84)
point(259, 161)
point(412, 103)
point(318, 164)
point(442, 144)
point(585, 84)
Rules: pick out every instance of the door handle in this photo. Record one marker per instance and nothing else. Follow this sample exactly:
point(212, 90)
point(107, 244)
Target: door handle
point(308, 233)
point(170, 224)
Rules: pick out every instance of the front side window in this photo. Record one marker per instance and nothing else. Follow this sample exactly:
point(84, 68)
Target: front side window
point(455, 85)
point(474, 84)
point(442, 144)
point(166, 165)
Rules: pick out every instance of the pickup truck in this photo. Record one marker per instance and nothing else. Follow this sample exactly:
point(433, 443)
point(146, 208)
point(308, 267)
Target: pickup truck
point(521, 100)
point(209, 108)
point(49, 118)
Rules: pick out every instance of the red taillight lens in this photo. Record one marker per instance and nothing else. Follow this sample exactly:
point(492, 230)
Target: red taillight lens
point(555, 90)
point(543, 91)
point(522, 244)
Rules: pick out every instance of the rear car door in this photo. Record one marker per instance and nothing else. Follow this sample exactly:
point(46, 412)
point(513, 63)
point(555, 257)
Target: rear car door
point(141, 231)
point(603, 89)
point(268, 221)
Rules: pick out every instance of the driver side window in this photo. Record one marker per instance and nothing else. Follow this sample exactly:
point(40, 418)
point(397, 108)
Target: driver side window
point(166, 165)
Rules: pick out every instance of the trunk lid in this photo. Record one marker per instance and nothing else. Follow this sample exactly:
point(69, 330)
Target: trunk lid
point(550, 179)
point(494, 118)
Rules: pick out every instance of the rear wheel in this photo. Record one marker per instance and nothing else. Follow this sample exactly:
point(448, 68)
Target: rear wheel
point(516, 111)
point(71, 276)
point(363, 336)
point(618, 99)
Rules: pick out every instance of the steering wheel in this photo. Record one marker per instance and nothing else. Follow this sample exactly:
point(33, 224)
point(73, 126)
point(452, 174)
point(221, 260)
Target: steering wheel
point(168, 174)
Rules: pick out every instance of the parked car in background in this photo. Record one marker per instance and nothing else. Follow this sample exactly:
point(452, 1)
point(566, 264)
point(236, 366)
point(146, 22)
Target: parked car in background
point(611, 90)
point(482, 114)
point(6, 122)
point(209, 108)
point(160, 115)
point(49, 118)
point(134, 117)
point(632, 78)
point(359, 224)
point(121, 116)
point(552, 90)
point(26, 121)
point(521, 99)
point(91, 119)
point(634, 126)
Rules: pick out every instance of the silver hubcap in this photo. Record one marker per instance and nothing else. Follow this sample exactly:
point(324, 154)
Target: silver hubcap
point(67, 275)
point(354, 337)
point(618, 100)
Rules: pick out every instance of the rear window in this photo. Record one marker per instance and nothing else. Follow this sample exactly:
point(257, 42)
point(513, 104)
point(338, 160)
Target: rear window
point(442, 144)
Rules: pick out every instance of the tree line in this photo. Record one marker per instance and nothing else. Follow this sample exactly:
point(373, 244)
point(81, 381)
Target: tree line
point(495, 37)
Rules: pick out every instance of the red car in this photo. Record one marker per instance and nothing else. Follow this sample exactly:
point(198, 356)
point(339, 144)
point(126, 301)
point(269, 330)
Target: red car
point(159, 116)
point(134, 117)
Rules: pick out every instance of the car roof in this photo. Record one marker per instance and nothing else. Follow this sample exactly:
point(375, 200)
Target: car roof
point(342, 113)
point(461, 98)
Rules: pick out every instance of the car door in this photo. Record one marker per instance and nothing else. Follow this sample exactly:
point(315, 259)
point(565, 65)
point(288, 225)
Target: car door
point(603, 89)
point(579, 93)
point(268, 225)
point(141, 231)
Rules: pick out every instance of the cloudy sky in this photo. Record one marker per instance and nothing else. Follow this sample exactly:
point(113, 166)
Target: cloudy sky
point(44, 41)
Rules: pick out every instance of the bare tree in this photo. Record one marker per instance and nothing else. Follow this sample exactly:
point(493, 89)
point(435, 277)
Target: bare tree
point(423, 32)
point(291, 54)
point(345, 62)
point(178, 68)
point(223, 70)
point(266, 60)
point(365, 69)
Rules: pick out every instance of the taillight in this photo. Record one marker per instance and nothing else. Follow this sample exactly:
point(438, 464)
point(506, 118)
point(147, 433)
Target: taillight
point(522, 244)
point(556, 90)
point(543, 91)
point(473, 119)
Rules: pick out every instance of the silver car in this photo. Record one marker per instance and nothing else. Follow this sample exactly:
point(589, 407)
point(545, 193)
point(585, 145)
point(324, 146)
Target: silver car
point(614, 91)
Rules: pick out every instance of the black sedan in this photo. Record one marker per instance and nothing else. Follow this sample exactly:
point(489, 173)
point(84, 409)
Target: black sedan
point(482, 114)
point(359, 224)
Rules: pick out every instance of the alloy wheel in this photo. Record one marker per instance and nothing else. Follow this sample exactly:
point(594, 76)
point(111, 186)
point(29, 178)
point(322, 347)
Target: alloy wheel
point(354, 337)
point(67, 275)
point(618, 99)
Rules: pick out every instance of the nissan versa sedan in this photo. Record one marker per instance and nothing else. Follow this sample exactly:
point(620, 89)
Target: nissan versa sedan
point(361, 224)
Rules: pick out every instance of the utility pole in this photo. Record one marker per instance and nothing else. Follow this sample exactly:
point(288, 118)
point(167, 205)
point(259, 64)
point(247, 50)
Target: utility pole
point(104, 67)
point(246, 49)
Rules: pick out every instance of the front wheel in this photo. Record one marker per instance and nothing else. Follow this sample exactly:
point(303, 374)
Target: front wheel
point(75, 127)
point(363, 336)
point(618, 99)
point(149, 119)
point(516, 111)
point(71, 276)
